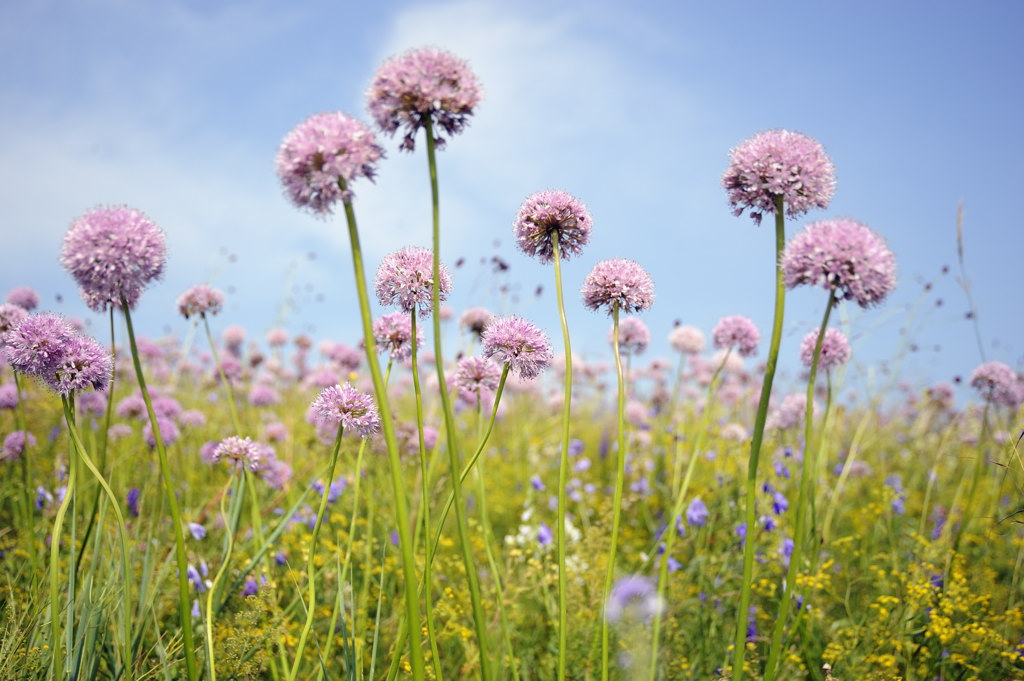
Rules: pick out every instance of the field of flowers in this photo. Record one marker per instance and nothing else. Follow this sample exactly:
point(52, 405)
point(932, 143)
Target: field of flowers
point(230, 506)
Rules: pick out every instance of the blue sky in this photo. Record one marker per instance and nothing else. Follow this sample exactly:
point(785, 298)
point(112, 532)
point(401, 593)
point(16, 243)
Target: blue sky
point(177, 108)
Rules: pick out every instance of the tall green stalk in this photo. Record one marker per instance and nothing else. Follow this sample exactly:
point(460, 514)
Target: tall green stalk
point(757, 437)
point(563, 468)
point(409, 580)
point(449, 415)
point(807, 471)
point(184, 608)
point(620, 464)
point(311, 559)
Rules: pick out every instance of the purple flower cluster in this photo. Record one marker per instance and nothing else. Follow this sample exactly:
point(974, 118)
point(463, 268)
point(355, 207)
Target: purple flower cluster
point(476, 378)
point(475, 320)
point(322, 153)
point(200, 299)
point(835, 349)
point(15, 444)
point(842, 255)
point(779, 163)
point(552, 216)
point(242, 452)
point(737, 332)
point(10, 316)
point(518, 343)
point(45, 347)
point(352, 409)
point(998, 384)
point(406, 278)
point(633, 599)
point(24, 297)
point(618, 283)
point(687, 339)
point(634, 336)
point(113, 252)
point(423, 83)
point(393, 332)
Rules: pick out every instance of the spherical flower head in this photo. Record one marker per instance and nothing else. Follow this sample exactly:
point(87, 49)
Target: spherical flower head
point(518, 343)
point(552, 216)
point(393, 332)
point(842, 255)
point(997, 384)
point(835, 349)
point(618, 283)
point(475, 320)
point(10, 316)
point(321, 151)
point(687, 339)
point(15, 444)
point(8, 396)
point(35, 347)
point(634, 336)
point(633, 599)
point(277, 337)
point(113, 252)
point(24, 297)
point(354, 410)
point(476, 377)
point(406, 278)
point(421, 83)
point(737, 332)
point(84, 364)
point(241, 452)
point(779, 163)
point(201, 299)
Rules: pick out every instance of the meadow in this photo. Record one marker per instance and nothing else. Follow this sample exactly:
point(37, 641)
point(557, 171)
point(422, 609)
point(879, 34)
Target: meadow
point(241, 504)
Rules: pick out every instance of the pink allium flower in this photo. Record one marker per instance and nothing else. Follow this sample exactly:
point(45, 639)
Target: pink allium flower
point(344, 356)
point(240, 452)
point(634, 336)
point(277, 337)
point(35, 347)
point(518, 343)
point(201, 299)
point(844, 255)
point(10, 316)
point(15, 444)
point(84, 364)
point(24, 297)
point(998, 384)
point(736, 331)
point(132, 406)
point(835, 349)
point(233, 337)
point(8, 396)
point(112, 252)
point(549, 216)
point(321, 378)
point(476, 377)
point(168, 431)
point(475, 320)
point(618, 283)
point(790, 413)
point(263, 396)
point(421, 83)
point(193, 418)
point(687, 339)
point(352, 409)
point(276, 432)
point(406, 278)
point(166, 406)
point(779, 163)
point(320, 151)
point(393, 332)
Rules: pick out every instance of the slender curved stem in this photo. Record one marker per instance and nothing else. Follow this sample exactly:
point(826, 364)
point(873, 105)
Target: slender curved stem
point(184, 609)
point(807, 469)
point(449, 416)
point(229, 543)
point(739, 648)
point(311, 559)
point(387, 426)
point(56, 658)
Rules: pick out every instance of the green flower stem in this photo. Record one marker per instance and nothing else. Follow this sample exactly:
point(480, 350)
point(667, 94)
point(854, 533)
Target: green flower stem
point(311, 559)
point(739, 648)
point(449, 417)
point(620, 464)
point(677, 511)
point(387, 426)
point(232, 407)
point(229, 543)
point(56, 658)
point(26, 483)
point(807, 470)
point(184, 609)
point(563, 470)
point(83, 456)
point(428, 598)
